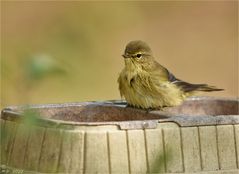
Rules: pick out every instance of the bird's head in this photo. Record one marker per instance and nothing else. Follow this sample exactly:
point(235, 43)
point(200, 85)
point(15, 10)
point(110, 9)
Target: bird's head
point(137, 53)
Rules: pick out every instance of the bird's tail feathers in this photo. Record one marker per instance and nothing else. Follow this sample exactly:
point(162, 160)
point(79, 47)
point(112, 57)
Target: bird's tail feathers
point(207, 88)
point(188, 87)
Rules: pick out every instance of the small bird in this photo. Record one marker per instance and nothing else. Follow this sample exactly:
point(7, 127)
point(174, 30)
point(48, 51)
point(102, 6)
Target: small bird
point(146, 84)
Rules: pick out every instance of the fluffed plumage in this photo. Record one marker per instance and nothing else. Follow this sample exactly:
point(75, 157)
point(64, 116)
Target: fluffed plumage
point(146, 84)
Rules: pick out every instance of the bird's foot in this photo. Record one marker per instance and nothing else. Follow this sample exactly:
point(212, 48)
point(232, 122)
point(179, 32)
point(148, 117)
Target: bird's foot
point(129, 106)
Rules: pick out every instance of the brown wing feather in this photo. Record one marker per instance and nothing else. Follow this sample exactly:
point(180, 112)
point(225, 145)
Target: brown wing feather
point(188, 87)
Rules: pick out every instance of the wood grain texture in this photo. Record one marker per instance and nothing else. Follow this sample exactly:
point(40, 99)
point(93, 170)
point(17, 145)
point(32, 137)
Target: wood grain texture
point(10, 132)
point(203, 149)
point(2, 142)
point(19, 147)
point(226, 147)
point(155, 150)
point(65, 155)
point(236, 130)
point(208, 144)
point(50, 151)
point(33, 150)
point(96, 152)
point(173, 150)
point(77, 151)
point(191, 149)
point(118, 153)
point(137, 152)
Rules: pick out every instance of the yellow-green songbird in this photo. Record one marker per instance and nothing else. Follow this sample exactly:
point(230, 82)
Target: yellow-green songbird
point(144, 83)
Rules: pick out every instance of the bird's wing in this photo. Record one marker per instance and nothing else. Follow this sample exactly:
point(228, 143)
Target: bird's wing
point(184, 86)
point(188, 87)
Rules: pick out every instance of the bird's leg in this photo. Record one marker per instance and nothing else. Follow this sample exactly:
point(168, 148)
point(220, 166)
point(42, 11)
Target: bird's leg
point(164, 108)
point(148, 110)
point(129, 106)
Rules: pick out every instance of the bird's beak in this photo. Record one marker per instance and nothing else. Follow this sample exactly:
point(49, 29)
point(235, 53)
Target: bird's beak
point(126, 56)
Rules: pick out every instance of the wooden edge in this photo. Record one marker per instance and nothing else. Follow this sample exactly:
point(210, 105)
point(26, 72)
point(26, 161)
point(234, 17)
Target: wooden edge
point(14, 114)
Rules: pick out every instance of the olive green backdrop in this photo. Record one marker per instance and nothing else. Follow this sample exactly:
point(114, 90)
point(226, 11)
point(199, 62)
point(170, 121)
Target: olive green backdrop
point(54, 52)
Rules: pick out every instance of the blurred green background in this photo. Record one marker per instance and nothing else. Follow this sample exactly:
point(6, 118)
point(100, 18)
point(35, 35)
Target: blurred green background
point(53, 52)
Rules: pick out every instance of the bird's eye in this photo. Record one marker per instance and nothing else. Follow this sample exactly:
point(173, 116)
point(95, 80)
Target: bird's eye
point(138, 55)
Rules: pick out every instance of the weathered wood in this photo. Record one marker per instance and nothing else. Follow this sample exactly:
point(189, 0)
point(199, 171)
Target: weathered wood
point(236, 129)
point(137, 152)
point(208, 144)
point(77, 152)
point(2, 142)
point(96, 153)
point(118, 152)
point(33, 151)
point(191, 149)
point(173, 150)
point(9, 131)
point(19, 147)
point(50, 151)
point(226, 147)
point(90, 139)
point(155, 150)
point(65, 155)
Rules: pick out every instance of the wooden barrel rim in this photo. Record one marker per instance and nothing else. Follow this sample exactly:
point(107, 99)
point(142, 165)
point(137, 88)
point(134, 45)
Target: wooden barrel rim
point(149, 119)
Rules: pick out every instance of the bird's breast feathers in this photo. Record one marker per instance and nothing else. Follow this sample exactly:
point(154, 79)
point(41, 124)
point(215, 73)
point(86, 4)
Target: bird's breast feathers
point(145, 90)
